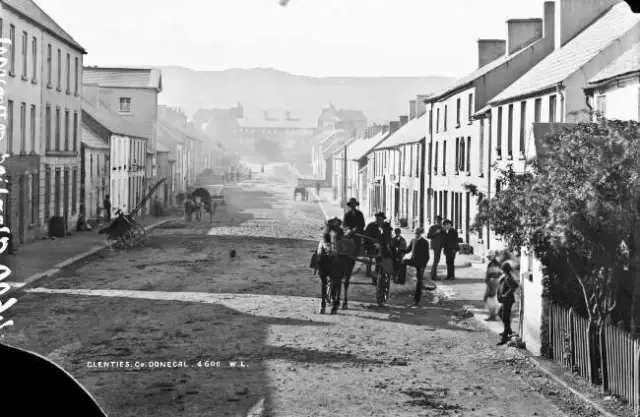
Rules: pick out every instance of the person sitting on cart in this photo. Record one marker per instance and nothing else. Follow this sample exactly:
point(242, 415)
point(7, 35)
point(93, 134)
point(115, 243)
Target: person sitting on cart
point(379, 233)
point(353, 222)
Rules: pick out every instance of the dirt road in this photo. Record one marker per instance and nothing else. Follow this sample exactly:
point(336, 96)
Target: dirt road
point(184, 298)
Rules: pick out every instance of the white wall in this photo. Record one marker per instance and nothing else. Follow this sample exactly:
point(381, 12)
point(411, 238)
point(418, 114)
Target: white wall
point(622, 99)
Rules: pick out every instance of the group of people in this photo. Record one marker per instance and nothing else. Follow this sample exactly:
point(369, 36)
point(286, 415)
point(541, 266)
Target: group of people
point(380, 236)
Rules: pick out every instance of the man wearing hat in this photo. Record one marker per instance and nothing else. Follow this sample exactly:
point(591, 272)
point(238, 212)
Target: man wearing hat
point(435, 234)
point(381, 232)
point(418, 257)
point(353, 221)
point(450, 246)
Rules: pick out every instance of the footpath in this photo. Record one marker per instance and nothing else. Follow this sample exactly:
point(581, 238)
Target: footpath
point(44, 258)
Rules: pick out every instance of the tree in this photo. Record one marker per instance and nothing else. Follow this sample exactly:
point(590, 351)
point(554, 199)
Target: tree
point(578, 209)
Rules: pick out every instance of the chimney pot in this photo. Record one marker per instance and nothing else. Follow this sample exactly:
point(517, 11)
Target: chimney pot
point(489, 50)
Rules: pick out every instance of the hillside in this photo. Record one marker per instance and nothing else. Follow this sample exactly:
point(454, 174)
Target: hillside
point(381, 98)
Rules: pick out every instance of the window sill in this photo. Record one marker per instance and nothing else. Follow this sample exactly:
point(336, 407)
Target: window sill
point(68, 92)
point(521, 157)
point(58, 89)
point(498, 158)
point(61, 153)
point(456, 173)
point(24, 78)
point(468, 173)
point(76, 94)
point(443, 173)
point(34, 81)
point(481, 175)
point(12, 74)
point(470, 122)
point(458, 125)
point(49, 86)
point(509, 157)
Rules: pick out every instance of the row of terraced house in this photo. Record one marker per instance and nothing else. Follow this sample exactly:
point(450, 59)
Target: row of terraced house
point(580, 56)
point(77, 134)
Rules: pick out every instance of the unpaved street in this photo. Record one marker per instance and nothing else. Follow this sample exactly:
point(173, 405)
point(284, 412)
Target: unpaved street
point(184, 298)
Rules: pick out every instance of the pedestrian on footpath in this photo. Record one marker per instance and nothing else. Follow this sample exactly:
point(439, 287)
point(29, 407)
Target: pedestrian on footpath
point(398, 248)
point(507, 287)
point(450, 246)
point(107, 208)
point(435, 234)
point(417, 257)
point(491, 280)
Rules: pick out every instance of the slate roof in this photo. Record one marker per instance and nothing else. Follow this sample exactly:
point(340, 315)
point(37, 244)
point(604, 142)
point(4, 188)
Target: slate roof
point(414, 131)
point(366, 146)
point(91, 140)
point(257, 123)
point(30, 10)
point(627, 63)
point(563, 62)
point(112, 120)
point(123, 77)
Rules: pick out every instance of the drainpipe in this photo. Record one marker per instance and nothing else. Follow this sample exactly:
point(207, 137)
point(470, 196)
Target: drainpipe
point(561, 94)
point(489, 169)
point(429, 166)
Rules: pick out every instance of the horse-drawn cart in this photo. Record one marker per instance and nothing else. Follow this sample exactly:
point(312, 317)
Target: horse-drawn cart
point(124, 232)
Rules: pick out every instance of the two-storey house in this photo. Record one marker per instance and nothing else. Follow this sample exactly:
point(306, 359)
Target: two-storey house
point(614, 93)
point(377, 162)
point(127, 150)
point(588, 38)
point(43, 107)
point(133, 94)
point(405, 175)
point(457, 147)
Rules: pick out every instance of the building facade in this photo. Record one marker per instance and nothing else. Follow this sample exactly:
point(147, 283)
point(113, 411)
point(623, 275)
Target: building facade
point(43, 107)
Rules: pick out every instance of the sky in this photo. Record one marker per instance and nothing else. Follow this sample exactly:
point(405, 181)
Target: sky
point(307, 37)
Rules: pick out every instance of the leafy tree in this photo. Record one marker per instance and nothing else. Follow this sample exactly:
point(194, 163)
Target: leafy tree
point(577, 208)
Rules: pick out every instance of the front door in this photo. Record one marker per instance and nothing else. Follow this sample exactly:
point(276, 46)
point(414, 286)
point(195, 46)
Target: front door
point(397, 202)
point(21, 210)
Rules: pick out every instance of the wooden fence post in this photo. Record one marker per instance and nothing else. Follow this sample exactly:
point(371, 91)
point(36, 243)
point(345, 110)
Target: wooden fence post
point(602, 339)
point(572, 344)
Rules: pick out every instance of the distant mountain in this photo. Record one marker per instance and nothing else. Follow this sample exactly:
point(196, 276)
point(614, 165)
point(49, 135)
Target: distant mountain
point(259, 89)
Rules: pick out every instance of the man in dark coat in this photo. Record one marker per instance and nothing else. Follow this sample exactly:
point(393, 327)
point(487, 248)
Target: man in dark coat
point(107, 208)
point(450, 246)
point(381, 232)
point(417, 257)
point(435, 234)
point(353, 222)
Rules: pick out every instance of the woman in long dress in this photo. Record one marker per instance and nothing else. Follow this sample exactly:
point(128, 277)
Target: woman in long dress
point(491, 280)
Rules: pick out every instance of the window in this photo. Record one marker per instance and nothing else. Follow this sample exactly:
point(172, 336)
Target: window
point(523, 121)
point(469, 155)
point(33, 129)
point(499, 136)
point(59, 71)
point(457, 165)
point(463, 154)
point(35, 192)
point(74, 191)
point(458, 112)
point(537, 110)
point(56, 188)
point(470, 110)
point(601, 106)
point(47, 192)
point(77, 76)
point(57, 128)
point(12, 50)
point(481, 150)
point(444, 157)
point(23, 126)
point(435, 159)
point(49, 58)
point(34, 57)
point(90, 165)
point(75, 131)
point(510, 132)
point(98, 165)
point(47, 127)
point(68, 74)
point(25, 51)
point(66, 129)
point(437, 120)
point(1, 31)
point(445, 118)
point(125, 104)
point(552, 109)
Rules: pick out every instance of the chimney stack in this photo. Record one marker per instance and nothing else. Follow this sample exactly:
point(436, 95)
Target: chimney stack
point(393, 127)
point(489, 50)
point(522, 32)
point(91, 93)
point(412, 109)
point(572, 16)
point(385, 129)
point(403, 120)
point(421, 107)
point(549, 22)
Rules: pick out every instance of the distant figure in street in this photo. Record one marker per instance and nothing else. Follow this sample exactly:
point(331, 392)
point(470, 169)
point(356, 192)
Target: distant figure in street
point(262, 168)
point(491, 280)
point(435, 234)
point(223, 177)
point(507, 287)
point(107, 208)
point(318, 188)
point(450, 246)
point(398, 246)
point(417, 257)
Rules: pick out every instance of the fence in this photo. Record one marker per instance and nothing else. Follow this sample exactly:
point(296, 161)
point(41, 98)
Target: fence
point(608, 356)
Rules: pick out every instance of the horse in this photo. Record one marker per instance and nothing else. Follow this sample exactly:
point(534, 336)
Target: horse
point(302, 191)
point(338, 267)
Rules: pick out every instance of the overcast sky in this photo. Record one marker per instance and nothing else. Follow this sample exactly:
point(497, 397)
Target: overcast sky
point(308, 37)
